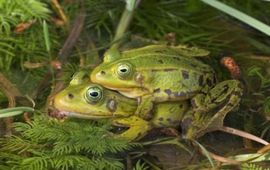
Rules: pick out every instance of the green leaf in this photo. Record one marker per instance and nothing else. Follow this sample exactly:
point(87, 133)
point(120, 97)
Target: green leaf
point(205, 152)
point(46, 36)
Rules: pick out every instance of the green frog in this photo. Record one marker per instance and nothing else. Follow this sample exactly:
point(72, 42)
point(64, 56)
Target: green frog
point(84, 99)
point(156, 74)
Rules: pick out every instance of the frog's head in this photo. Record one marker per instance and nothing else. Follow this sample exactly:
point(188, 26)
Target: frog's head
point(120, 75)
point(83, 99)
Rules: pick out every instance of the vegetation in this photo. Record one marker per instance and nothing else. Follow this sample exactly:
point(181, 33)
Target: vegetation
point(42, 45)
point(48, 144)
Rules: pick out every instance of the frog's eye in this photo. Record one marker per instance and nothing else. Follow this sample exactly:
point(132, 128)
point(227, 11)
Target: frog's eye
point(124, 70)
point(94, 94)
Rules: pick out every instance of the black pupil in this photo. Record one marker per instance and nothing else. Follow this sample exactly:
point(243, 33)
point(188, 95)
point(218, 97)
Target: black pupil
point(94, 94)
point(123, 70)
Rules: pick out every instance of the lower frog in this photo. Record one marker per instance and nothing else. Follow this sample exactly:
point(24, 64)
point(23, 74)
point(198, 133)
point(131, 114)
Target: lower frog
point(83, 99)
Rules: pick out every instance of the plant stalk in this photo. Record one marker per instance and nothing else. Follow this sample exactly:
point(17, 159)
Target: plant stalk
point(124, 22)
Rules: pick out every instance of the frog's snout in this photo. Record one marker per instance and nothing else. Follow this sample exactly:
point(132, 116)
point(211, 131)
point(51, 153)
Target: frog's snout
point(97, 75)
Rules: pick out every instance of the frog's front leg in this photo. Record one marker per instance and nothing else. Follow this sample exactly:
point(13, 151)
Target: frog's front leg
point(137, 127)
point(218, 102)
point(145, 106)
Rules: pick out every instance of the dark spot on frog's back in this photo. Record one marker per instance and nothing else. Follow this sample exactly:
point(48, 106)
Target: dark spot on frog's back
point(181, 94)
point(176, 58)
point(209, 82)
point(201, 80)
point(160, 119)
point(157, 90)
point(168, 92)
point(185, 74)
point(225, 88)
point(111, 105)
point(169, 120)
point(160, 61)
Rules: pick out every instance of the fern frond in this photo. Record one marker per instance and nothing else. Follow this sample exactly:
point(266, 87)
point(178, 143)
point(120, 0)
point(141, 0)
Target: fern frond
point(250, 166)
point(75, 144)
point(140, 166)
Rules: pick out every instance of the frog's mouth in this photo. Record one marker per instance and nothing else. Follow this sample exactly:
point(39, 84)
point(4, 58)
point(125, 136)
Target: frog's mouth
point(125, 89)
point(60, 114)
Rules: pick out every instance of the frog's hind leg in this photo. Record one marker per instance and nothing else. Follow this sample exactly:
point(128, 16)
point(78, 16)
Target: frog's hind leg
point(137, 127)
point(217, 103)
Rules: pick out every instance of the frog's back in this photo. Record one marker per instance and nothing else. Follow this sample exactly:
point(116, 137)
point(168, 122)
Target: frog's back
point(173, 77)
point(167, 51)
point(164, 63)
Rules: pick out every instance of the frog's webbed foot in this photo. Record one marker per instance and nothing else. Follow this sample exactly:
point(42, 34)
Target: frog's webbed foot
point(145, 107)
point(218, 102)
point(137, 127)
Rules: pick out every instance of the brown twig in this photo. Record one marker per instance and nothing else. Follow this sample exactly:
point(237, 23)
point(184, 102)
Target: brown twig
point(59, 10)
point(243, 134)
point(73, 35)
point(222, 159)
point(264, 149)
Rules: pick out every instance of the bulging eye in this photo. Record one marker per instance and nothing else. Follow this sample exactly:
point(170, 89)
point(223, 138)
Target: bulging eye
point(124, 70)
point(94, 94)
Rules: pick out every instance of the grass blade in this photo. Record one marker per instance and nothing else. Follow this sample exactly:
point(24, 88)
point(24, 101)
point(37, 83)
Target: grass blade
point(46, 37)
point(240, 16)
point(14, 111)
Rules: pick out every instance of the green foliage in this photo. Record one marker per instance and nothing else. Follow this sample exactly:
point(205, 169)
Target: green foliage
point(258, 72)
point(13, 12)
point(47, 144)
point(140, 166)
point(73, 144)
point(250, 166)
point(266, 106)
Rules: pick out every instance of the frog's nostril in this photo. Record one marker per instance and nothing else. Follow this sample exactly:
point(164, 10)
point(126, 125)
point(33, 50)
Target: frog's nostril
point(70, 95)
point(102, 72)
